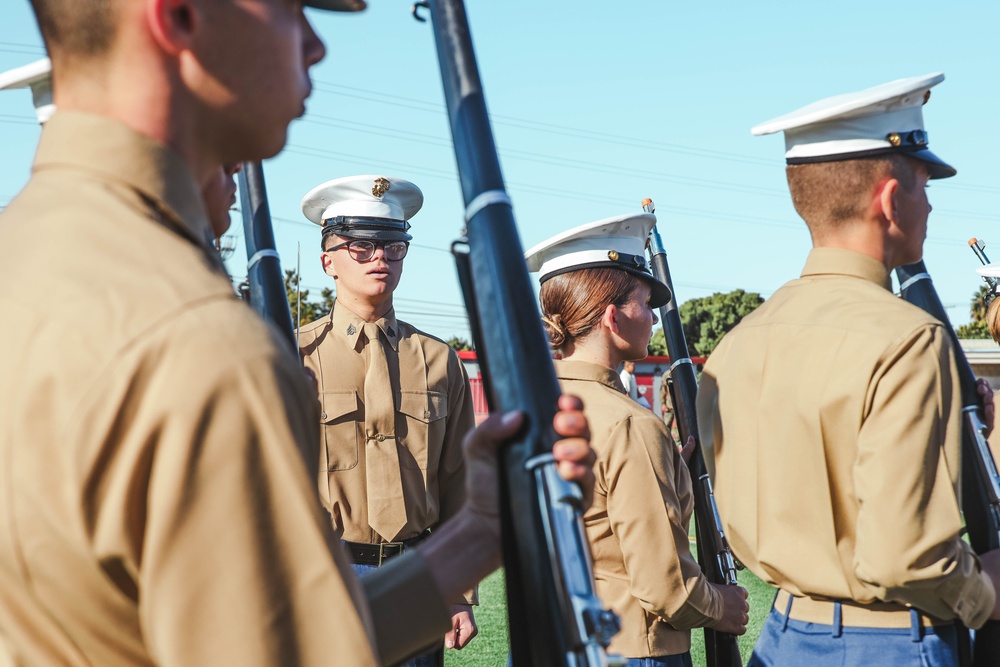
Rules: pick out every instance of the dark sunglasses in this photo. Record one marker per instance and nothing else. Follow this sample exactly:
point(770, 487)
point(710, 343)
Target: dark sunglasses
point(363, 251)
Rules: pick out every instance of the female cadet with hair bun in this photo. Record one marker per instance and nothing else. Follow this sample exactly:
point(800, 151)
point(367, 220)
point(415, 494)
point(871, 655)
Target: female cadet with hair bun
point(597, 300)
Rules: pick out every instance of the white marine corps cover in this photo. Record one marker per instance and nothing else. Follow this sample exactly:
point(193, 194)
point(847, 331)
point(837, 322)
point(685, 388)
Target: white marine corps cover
point(38, 77)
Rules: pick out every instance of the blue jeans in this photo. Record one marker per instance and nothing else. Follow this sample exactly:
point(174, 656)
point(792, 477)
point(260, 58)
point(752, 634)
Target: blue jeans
point(790, 643)
point(434, 658)
point(679, 660)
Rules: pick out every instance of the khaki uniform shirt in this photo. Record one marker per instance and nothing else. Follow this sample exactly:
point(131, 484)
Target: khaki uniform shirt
point(638, 523)
point(434, 411)
point(154, 502)
point(833, 412)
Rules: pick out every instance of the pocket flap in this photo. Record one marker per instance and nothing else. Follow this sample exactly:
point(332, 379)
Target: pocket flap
point(336, 404)
point(425, 407)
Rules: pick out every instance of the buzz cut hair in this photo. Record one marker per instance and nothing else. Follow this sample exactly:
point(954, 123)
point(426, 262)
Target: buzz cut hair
point(828, 195)
point(78, 28)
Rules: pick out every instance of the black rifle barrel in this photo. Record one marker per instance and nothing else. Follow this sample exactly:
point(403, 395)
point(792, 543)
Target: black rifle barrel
point(980, 481)
point(555, 617)
point(716, 560)
point(979, 248)
point(267, 284)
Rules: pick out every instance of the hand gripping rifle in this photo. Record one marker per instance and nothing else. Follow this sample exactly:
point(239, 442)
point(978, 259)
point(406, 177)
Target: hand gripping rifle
point(980, 481)
point(714, 556)
point(555, 616)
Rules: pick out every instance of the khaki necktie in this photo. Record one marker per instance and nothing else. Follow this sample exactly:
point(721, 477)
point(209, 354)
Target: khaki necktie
point(386, 512)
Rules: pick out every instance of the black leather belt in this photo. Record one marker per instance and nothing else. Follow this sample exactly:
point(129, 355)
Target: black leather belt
point(363, 553)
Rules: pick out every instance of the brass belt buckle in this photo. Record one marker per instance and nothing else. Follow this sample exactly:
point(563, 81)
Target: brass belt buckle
point(381, 553)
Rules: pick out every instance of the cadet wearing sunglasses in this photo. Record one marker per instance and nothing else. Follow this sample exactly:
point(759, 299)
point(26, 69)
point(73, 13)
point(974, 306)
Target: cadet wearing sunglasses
point(396, 403)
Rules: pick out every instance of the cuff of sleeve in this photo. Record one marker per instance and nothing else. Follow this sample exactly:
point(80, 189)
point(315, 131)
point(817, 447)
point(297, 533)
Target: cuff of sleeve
point(703, 607)
point(408, 611)
point(976, 601)
point(470, 596)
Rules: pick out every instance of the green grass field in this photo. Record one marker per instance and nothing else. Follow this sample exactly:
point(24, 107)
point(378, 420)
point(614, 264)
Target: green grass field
point(490, 648)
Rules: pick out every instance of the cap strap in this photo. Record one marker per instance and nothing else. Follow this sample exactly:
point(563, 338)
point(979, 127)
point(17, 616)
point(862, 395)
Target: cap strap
point(575, 260)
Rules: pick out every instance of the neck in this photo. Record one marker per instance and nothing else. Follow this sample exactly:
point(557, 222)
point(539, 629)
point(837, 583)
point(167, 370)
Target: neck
point(864, 237)
point(143, 97)
point(366, 309)
point(593, 351)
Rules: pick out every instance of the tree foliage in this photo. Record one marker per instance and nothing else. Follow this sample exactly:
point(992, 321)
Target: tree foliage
point(459, 344)
point(706, 320)
point(978, 307)
point(980, 303)
point(310, 310)
point(973, 330)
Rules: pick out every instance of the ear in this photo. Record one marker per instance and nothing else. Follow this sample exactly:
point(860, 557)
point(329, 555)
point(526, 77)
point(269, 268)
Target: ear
point(610, 318)
point(326, 259)
point(172, 23)
point(886, 195)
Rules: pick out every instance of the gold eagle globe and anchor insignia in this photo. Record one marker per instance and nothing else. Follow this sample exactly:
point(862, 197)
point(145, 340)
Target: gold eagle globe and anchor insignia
point(381, 186)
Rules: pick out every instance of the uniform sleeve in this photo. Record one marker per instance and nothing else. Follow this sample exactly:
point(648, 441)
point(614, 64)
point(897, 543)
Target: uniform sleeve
point(223, 533)
point(707, 405)
point(907, 480)
point(451, 476)
point(407, 606)
point(646, 515)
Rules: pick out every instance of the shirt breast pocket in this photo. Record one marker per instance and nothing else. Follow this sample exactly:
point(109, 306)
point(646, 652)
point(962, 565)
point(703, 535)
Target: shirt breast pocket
point(339, 421)
point(425, 416)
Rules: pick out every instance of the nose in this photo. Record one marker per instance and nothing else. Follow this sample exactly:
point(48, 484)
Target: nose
point(313, 49)
point(378, 253)
point(656, 319)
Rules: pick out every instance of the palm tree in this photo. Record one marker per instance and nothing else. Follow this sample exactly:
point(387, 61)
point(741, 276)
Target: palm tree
point(980, 303)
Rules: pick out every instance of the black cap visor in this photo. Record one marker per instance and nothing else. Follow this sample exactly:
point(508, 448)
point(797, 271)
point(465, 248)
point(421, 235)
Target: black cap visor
point(337, 5)
point(369, 229)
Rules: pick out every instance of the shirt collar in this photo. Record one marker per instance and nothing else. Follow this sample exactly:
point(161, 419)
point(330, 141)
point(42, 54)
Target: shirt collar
point(584, 370)
point(107, 147)
point(346, 323)
point(838, 261)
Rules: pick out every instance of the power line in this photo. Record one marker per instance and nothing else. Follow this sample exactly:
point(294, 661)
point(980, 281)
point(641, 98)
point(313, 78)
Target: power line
point(539, 158)
point(547, 191)
point(527, 123)
point(539, 126)
point(30, 51)
point(23, 46)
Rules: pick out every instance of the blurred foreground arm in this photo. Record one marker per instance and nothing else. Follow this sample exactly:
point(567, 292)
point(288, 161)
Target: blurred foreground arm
point(407, 596)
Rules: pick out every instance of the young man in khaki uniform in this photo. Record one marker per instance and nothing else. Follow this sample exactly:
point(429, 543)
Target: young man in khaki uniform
point(387, 479)
point(155, 506)
point(839, 484)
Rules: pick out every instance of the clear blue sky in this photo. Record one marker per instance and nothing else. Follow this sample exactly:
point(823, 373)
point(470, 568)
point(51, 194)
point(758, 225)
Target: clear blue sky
point(598, 105)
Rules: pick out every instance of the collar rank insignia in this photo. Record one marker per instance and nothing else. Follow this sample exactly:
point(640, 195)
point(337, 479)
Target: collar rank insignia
point(351, 330)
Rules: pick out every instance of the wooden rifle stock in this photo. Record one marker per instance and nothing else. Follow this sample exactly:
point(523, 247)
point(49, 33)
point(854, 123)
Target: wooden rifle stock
point(716, 560)
point(980, 481)
point(555, 616)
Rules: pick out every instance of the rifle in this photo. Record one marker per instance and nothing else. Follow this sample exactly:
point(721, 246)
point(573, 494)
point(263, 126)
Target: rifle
point(555, 616)
point(714, 556)
point(980, 480)
point(267, 286)
point(979, 247)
